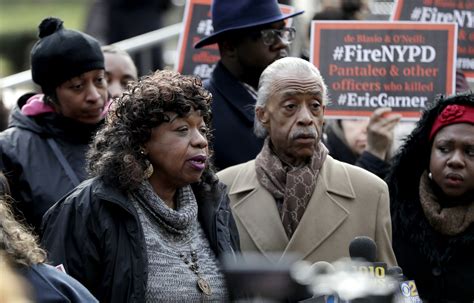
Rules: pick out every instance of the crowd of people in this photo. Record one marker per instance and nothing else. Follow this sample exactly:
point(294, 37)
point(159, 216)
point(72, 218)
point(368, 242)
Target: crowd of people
point(115, 188)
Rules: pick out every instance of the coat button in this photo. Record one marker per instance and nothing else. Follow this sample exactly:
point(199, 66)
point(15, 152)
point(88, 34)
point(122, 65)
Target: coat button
point(436, 271)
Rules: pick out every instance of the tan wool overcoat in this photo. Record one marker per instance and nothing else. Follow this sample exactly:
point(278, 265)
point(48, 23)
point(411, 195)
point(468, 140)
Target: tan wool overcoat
point(347, 202)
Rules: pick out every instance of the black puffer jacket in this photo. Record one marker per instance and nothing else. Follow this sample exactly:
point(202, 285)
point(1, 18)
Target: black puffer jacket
point(36, 176)
point(96, 234)
point(442, 266)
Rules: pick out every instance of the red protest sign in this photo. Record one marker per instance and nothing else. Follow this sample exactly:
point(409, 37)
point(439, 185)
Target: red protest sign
point(367, 65)
point(197, 25)
point(459, 11)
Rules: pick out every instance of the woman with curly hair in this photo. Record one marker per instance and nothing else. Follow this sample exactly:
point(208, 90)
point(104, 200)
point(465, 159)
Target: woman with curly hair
point(431, 187)
point(154, 219)
point(20, 251)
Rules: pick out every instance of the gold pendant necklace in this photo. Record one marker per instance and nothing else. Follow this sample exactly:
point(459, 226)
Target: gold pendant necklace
point(192, 263)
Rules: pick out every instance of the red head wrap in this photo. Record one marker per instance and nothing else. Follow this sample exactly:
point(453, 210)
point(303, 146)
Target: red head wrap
point(452, 114)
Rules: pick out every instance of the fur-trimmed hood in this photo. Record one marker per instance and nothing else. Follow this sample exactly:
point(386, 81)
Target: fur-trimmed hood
point(408, 219)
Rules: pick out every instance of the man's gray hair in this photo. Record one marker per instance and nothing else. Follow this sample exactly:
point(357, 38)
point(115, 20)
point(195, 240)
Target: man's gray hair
point(288, 65)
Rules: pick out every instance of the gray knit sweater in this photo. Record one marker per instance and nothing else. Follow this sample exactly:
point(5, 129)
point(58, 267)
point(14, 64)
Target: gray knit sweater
point(170, 235)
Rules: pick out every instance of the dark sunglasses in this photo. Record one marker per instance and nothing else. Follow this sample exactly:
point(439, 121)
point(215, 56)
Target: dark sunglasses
point(269, 36)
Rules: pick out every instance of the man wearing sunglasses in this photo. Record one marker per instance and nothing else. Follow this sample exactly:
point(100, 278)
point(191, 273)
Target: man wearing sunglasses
point(250, 36)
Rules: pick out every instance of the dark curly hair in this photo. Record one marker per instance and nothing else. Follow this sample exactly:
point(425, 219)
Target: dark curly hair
point(115, 154)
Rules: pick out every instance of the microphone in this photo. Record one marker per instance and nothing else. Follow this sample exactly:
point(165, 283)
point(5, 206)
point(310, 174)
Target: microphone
point(254, 275)
point(340, 283)
point(309, 274)
point(396, 272)
point(359, 280)
point(304, 273)
point(364, 250)
point(406, 289)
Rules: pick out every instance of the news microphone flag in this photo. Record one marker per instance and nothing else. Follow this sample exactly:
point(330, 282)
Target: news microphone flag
point(407, 291)
point(364, 250)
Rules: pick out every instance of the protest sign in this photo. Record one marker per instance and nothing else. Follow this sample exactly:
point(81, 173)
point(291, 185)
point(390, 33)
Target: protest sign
point(367, 65)
point(197, 25)
point(459, 11)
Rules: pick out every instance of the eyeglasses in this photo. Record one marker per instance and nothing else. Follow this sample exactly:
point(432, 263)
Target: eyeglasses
point(286, 35)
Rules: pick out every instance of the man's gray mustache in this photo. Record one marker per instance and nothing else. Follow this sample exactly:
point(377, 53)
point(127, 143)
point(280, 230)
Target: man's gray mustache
point(304, 133)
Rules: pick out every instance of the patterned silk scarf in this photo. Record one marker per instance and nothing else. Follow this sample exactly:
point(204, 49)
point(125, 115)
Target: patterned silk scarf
point(292, 187)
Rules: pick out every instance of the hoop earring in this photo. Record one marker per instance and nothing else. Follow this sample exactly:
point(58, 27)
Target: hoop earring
point(148, 171)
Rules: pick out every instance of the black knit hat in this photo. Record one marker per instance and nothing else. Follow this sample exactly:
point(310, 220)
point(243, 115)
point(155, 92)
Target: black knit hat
point(61, 54)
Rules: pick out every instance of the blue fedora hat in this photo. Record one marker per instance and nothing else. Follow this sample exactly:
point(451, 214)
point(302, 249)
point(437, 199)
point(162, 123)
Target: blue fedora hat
point(228, 15)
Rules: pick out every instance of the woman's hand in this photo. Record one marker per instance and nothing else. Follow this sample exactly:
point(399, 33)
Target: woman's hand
point(380, 131)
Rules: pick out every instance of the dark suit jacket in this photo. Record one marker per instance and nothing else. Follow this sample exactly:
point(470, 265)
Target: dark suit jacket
point(233, 116)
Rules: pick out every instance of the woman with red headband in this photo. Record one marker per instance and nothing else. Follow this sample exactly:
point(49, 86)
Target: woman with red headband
point(432, 202)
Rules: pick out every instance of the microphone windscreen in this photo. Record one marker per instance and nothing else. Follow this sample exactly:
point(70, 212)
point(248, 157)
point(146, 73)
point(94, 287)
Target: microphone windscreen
point(363, 248)
point(394, 271)
point(301, 272)
point(304, 273)
point(322, 268)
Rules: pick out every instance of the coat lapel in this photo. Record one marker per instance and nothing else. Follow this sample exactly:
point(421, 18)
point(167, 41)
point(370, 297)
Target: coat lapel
point(324, 214)
point(257, 210)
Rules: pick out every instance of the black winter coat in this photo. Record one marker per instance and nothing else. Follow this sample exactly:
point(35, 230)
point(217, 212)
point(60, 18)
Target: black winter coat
point(442, 266)
point(232, 120)
point(96, 234)
point(37, 178)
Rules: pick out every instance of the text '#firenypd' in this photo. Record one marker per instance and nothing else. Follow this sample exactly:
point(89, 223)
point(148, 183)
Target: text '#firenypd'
point(385, 53)
point(464, 18)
